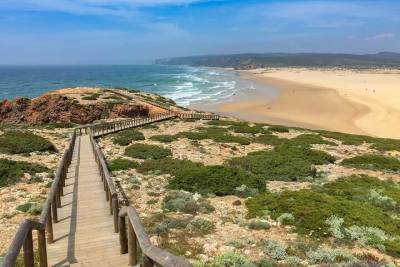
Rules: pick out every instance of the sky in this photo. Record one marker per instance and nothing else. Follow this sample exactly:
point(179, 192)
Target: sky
point(57, 32)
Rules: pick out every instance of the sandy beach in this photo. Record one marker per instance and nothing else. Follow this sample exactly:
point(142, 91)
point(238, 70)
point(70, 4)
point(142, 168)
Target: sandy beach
point(352, 101)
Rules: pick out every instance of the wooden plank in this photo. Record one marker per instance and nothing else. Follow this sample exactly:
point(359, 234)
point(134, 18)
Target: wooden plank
point(85, 234)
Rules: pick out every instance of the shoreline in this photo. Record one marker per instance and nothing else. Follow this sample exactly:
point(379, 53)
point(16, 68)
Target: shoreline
point(303, 102)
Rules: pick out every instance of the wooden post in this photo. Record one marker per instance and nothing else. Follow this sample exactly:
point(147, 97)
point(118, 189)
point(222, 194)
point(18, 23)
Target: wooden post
point(115, 213)
point(28, 250)
point(107, 193)
point(49, 228)
point(123, 239)
point(42, 248)
point(54, 209)
point(132, 245)
point(147, 262)
point(57, 196)
point(110, 203)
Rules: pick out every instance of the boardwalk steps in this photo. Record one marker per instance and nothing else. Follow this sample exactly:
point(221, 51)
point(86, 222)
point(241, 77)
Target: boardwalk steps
point(81, 217)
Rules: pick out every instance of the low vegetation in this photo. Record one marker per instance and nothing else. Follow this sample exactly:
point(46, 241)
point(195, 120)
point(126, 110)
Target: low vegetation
point(143, 151)
point(163, 138)
point(18, 142)
point(219, 135)
point(278, 128)
point(91, 97)
point(373, 162)
point(383, 194)
point(195, 177)
point(125, 137)
point(286, 163)
point(381, 144)
point(122, 164)
point(11, 171)
point(311, 210)
point(32, 206)
point(185, 202)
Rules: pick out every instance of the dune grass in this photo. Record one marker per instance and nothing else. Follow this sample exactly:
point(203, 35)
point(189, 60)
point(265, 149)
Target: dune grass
point(18, 142)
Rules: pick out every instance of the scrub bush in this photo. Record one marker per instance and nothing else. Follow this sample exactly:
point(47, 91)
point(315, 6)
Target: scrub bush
point(17, 142)
point(126, 137)
point(122, 164)
point(143, 151)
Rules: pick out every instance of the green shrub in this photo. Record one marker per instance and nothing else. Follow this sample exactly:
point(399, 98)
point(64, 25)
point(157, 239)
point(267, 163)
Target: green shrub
point(219, 135)
point(373, 162)
point(167, 165)
point(381, 144)
point(11, 171)
point(256, 224)
point(359, 187)
point(33, 207)
point(269, 139)
point(245, 191)
point(195, 177)
point(285, 218)
point(17, 142)
point(308, 139)
point(328, 256)
point(392, 247)
point(184, 202)
point(163, 138)
point(278, 128)
point(122, 164)
point(91, 97)
point(229, 259)
point(274, 249)
point(245, 128)
point(218, 180)
point(285, 162)
point(143, 151)
point(312, 209)
point(126, 137)
point(200, 226)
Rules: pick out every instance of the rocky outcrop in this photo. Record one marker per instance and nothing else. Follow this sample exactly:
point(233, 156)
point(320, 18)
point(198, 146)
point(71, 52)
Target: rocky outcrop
point(60, 108)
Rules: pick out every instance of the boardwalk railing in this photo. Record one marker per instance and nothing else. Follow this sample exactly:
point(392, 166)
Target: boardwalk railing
point(203, 116)
point(136, 234)
point(111, 127)
point(23, 237)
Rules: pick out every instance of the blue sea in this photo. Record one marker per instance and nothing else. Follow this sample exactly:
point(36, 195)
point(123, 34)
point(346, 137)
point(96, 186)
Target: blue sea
point(183, 84)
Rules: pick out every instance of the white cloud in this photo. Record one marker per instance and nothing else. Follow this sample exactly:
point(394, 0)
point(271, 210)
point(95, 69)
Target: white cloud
point(387, 35)
point(123, 8)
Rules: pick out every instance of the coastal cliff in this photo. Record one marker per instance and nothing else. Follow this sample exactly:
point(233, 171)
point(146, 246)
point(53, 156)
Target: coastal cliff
point(76, 105)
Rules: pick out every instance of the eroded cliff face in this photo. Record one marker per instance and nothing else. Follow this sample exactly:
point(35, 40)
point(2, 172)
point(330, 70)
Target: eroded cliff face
point(60, 108)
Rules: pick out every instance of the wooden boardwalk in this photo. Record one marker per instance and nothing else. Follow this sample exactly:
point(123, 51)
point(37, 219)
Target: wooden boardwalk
point(84, 235)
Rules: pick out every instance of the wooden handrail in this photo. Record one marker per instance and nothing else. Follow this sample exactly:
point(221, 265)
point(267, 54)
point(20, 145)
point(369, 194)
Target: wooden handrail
point(23, 237)
point(151, 254)
point(138, 236)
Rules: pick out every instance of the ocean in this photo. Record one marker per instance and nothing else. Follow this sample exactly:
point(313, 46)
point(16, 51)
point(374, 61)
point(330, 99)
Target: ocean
point(183, 84)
